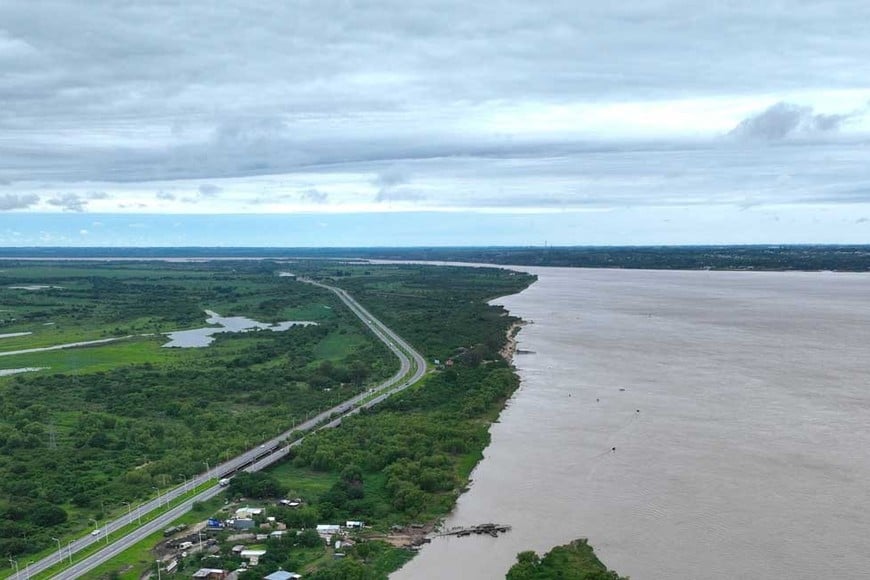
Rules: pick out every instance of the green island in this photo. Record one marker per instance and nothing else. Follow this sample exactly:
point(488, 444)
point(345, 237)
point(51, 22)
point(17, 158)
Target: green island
point(106, 424)
point(574, 561)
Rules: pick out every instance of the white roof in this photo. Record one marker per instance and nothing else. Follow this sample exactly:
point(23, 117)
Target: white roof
point(250, 553)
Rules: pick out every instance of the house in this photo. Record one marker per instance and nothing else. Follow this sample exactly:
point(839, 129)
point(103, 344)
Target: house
point(277, 534)
point(328, 529)
point(253, 556)
point(248, 512)
point(282, 575)
point(210, 574)
point(354, 525)
point(243, 524)
point(237, 549)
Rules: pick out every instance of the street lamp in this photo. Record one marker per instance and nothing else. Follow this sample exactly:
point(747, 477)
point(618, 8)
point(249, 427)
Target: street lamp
point(59, 551)
point(129, 509)
point(14, 563)
point(96, 523)
point(69, 550)
point(26, 570)
point(158, 569)
point(159, 499)
point(207, 469)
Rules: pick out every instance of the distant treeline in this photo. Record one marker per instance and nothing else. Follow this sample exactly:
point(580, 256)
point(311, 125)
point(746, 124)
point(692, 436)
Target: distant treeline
point(855, 258)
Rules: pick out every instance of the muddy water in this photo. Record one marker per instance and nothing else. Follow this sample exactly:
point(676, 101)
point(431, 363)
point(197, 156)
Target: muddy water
point(739, 407)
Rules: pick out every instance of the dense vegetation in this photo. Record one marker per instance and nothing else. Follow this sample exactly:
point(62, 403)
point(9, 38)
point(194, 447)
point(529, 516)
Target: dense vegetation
point(109, 423)
point(854, 258)
point(407, 459)
point(574, 561)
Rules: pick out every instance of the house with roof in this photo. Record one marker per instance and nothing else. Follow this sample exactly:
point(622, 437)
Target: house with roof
point(252, 556)
point(282, 575)
point(210, 574)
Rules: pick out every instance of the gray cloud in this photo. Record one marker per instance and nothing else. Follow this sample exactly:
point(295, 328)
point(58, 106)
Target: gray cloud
point(314, 196)
point(9, 201)
point(391, 182)
point(68, 202)
point(784, 120)
point(329, 83)
point(165, 195)
point(209, 190)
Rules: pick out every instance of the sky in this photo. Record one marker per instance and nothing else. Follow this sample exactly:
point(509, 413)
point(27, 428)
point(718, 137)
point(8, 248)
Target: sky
point(339, 123)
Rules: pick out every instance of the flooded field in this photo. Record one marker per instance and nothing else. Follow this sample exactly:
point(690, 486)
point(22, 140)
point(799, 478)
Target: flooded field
point(202, 337)
point(692, 425)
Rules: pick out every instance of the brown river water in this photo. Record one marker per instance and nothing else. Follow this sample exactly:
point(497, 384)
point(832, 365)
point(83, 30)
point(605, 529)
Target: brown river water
point(739, 407)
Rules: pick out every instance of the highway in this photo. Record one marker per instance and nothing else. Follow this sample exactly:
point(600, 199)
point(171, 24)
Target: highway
point(412, 369)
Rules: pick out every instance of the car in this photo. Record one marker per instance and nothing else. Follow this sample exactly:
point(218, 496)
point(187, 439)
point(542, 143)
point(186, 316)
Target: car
point(95, 532)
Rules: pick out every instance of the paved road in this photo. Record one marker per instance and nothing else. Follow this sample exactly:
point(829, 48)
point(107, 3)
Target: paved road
point(254, 459)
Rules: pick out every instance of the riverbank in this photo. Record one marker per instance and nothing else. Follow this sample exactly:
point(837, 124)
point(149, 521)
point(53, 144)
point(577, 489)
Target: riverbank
point(509, 350)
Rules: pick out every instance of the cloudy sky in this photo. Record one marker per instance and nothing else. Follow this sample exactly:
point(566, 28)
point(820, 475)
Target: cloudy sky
point(451, 123)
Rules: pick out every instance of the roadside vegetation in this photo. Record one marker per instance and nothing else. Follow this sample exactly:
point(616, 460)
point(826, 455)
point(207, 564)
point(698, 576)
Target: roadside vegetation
point(400, 466)
point(113, 423)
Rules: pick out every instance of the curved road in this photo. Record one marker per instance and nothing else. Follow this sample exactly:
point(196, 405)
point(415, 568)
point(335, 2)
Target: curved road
point(411, 370)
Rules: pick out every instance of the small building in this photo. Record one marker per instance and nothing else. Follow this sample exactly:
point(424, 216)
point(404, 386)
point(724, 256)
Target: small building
point(282, 575)
point(237, 549)
point(248, 512)
point(277, 534)
point(353, 525)
point(210, 574)
point(328, 529)
point(253, 556)
point(243, 524)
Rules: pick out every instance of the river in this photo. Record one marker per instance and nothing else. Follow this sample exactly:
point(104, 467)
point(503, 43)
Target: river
point(737, 404)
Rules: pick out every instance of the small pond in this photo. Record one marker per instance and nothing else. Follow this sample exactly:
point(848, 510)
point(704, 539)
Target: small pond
point(202, 337)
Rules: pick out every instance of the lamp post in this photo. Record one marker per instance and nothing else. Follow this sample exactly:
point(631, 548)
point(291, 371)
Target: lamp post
point(69, 550)
point(96, 523)
point(158, 569)
point(59, 551)
point(159, 499)
point(129, 510)
point(27, 569)
point(14, 563)
point(207, 469)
